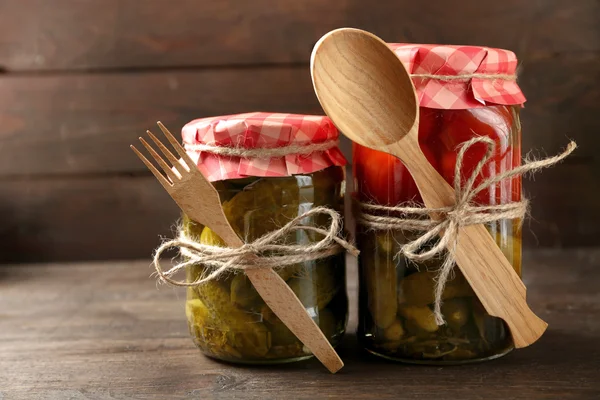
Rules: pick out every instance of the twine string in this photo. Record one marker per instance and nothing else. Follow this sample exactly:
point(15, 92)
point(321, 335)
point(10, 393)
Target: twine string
point(295, 149)
point(450, 219)
point(466, 77)
point(267, 251)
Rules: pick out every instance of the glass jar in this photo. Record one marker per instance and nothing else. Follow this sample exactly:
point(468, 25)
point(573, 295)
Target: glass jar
point(396, 296)
point(227, 318)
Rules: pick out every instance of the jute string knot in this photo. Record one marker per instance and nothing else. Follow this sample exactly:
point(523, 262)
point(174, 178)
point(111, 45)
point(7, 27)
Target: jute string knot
point(268, 251)
point(448, 220)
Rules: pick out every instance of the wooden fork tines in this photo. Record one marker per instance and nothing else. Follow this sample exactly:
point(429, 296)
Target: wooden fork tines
point(178, 170)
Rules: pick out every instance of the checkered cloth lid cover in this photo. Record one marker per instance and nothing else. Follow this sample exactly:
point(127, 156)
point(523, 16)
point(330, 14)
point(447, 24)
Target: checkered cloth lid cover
point(460, 60)
point(261, 130)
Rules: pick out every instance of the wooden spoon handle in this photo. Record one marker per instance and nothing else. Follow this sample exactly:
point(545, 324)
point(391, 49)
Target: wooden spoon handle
point(282, 300)
point(491, 276)
point(496, 284)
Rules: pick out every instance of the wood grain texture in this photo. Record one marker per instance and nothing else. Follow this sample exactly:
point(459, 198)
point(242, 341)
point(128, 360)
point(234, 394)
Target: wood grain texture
point(104, 331)
point(37, 35)
point(564, 206)
point(563, 104)
point(85, 123)
point(87, 218)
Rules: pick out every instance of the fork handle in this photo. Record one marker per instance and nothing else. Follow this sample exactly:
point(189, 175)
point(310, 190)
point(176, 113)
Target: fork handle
point(286, 305)
point(282, 300)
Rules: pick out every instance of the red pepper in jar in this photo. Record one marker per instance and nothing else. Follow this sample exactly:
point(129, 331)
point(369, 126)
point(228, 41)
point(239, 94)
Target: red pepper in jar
point(462, 125)
point(382, 178)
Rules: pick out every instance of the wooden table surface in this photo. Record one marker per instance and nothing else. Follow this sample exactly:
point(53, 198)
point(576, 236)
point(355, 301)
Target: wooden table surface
point(105, 331)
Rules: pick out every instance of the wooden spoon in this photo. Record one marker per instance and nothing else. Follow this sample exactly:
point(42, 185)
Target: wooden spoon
point(365, 89)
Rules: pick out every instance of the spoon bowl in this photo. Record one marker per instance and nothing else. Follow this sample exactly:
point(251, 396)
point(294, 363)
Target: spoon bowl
point(392, 110)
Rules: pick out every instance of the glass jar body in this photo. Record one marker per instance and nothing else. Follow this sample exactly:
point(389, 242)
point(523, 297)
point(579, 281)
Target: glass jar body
point(227, 318)
point(396, 296)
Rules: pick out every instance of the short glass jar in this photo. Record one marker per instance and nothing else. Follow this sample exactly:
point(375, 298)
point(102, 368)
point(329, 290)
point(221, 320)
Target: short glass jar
point(396, 296)
point(227, 318)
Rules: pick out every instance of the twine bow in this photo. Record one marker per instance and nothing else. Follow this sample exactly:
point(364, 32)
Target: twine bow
point(265, 252)
point(450, 219)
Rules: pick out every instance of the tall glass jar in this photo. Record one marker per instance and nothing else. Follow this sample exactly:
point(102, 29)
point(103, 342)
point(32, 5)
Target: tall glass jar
point(396, 296)
point(227, 318)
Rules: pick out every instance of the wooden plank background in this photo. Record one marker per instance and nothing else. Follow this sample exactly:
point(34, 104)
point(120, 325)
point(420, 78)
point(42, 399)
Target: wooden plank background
point(81, 79)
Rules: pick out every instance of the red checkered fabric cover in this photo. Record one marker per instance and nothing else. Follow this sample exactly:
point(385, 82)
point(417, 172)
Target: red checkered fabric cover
point(460, 60)
point(261, 130)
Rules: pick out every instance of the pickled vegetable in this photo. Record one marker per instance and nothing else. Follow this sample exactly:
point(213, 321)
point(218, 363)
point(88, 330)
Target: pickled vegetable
point(227, 317)
point(315, 286)
point(196, 311)
point(456, 313)
point(380, 280)
point(243, 293)
point(210, 238)
point(397, 296)
point(245, 331)
point(418, 288)
point(205, 331)
point(394, 332)
point(421, 317)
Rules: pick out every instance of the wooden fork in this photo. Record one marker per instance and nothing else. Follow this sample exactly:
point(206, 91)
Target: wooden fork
point(197, 197)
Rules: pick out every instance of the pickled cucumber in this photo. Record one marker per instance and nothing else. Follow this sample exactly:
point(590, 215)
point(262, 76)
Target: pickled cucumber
point(196, 312)
point(422, 316)
point(315, 287)
point(418, 288)
point(227, 317)
point(280, 334)
point(456, 313)
point(386, 242)
point(412, 333)
point(273, 203)
point(245, 331)
point(191, 228)
point(381, 287)
point(205, 330)
point(243, 294)
point(394, 332)
point(209, 238)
